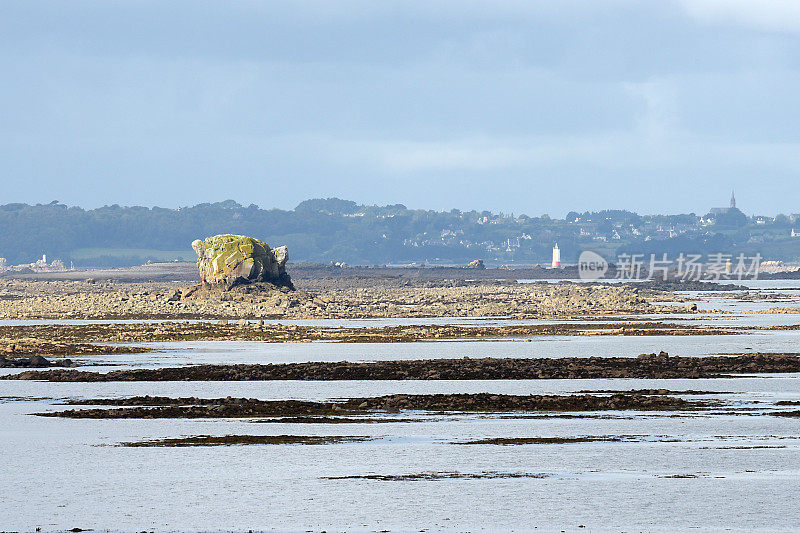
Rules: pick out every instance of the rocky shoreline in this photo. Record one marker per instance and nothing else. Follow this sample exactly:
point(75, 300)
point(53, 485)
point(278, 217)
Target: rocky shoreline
point(646, 366)
point(19, 342)
point(23, 299)
point(34, 361)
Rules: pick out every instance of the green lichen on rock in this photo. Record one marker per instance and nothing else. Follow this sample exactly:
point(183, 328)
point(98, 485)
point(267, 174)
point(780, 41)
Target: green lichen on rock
point(234, 259)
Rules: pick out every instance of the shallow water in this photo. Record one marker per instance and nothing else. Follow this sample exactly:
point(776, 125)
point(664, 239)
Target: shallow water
point(86, 481)
point(735, 471)
point(765, 284)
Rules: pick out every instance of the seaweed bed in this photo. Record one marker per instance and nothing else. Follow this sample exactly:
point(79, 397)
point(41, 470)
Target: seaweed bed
point(234, 440)
point(57, 339)
point(162, 407)
point(437, 476)
point(512, 441)
point(646, 366)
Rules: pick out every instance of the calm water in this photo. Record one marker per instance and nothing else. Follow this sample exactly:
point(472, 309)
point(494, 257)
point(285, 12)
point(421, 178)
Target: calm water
point(723, 470)
point(743, 470)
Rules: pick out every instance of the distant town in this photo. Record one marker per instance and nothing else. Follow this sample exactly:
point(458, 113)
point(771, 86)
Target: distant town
point(335, 231)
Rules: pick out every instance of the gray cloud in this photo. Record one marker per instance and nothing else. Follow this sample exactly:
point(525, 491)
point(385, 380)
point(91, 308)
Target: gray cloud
point(515, 106)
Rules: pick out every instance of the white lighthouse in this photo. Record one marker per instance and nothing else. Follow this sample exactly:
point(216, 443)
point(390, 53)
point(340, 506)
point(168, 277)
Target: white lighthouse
point(556, 257)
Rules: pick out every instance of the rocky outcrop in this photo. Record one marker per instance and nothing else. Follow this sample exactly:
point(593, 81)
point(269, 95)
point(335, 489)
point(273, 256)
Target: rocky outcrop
point(34, 361)
point(231, 260)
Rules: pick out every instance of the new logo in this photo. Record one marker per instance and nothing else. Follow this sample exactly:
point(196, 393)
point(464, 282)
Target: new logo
point(591, 265)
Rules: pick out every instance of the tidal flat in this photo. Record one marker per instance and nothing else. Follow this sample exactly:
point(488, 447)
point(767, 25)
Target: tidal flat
point(435, 417)
point(320, 299)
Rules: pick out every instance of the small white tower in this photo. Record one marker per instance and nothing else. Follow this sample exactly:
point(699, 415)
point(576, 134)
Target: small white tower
point(556, 257)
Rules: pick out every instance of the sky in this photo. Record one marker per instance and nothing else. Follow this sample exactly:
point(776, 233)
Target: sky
point(516, 106)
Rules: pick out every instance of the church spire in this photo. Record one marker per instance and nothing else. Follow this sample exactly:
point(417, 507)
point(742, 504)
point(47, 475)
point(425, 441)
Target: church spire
point(733, 201)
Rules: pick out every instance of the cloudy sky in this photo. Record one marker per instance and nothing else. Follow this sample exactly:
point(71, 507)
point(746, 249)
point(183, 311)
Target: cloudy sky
point(516, 106)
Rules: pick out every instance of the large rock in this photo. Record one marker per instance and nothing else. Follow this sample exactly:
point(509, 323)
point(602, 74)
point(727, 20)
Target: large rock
point(236, 259)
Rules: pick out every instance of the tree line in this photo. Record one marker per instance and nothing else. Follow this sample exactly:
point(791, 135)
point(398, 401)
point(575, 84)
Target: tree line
point(325, 230)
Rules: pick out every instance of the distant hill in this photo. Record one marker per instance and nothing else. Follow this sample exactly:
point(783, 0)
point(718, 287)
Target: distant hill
point(332, 229)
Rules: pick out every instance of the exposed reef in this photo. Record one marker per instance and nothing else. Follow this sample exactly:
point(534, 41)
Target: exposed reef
point(163, 407)
point(647, 366)
point(368, 298)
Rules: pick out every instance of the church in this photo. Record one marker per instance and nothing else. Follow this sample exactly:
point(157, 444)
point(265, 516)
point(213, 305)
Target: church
point(723, 210)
